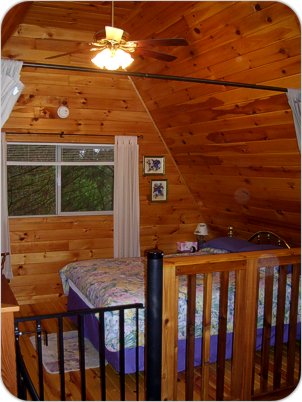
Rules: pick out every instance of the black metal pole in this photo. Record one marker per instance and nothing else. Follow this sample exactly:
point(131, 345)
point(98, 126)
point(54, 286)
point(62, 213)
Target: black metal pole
point(153, 344)
point(155, 76)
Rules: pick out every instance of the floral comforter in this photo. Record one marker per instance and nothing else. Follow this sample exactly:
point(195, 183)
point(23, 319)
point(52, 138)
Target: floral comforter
point(109, 282)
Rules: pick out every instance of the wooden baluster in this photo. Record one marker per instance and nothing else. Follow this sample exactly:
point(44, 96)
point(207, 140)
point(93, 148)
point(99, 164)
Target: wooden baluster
point(206, 336)
point(295, 282)
point(238, 344)
point(250, 329)
point(222, 332)
point(190, 337)
point(279, 326)
point(267, 325)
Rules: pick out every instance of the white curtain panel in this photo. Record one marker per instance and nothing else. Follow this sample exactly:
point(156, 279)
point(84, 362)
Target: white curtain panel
point(294, 100)
point(126, 198)
point(11, 87)
point(5, 242)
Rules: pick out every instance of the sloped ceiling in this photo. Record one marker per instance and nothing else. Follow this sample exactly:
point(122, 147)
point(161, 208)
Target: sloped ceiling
point(235, 147)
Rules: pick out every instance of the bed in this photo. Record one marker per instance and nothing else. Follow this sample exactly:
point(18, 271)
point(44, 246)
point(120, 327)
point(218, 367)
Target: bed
point(111, 282)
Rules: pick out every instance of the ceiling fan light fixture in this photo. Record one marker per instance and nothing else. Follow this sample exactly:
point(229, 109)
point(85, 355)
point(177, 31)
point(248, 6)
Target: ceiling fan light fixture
point(112, 59)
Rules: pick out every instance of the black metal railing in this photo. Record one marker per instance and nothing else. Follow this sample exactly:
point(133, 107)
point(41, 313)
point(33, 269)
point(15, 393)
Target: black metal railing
point(26, 383)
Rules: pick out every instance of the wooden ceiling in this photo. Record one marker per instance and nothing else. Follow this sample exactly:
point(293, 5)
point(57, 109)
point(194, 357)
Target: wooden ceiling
point(235, 147)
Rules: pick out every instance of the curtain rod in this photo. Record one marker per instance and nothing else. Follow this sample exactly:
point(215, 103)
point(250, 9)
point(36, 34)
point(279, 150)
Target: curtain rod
point(155, 76)
point(139, 136)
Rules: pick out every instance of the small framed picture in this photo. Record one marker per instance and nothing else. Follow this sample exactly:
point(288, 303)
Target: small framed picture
point(153, 165)
point(159, 190)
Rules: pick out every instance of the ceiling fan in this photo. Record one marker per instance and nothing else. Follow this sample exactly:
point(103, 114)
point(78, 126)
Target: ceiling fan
point(113, 43)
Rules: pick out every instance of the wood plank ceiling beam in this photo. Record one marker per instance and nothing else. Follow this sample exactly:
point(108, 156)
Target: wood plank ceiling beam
point(12, 20)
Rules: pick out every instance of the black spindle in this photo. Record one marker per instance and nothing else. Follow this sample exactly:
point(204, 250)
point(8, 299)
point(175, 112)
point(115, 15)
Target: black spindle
point(122, 354)
point(102, 355)
point(61, 357)
point(137, 355)
point(40, 359)
point(82, 355)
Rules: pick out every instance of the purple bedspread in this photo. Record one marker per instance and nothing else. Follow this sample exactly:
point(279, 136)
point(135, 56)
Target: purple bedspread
point(91, 332)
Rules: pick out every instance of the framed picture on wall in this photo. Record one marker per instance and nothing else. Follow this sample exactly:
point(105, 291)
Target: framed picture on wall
point(159, 190)
point(153, 165)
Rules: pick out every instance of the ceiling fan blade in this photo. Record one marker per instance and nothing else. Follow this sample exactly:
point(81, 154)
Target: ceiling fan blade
point(155, 55)
point(63, 54)
point(162, 42)
point(82, 48)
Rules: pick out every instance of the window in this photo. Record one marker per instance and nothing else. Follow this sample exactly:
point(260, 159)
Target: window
point(48, 179)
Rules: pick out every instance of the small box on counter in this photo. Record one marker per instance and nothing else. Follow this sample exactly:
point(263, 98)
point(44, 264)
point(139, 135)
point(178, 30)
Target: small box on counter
point(187, 246)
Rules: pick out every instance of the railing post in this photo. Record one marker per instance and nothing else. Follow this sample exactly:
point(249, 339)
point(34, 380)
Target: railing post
point(245, 323)
point(170, 332)
point(153, 344)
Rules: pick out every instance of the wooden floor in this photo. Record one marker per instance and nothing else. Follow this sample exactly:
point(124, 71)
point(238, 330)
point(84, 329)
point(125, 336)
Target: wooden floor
point(72, 379)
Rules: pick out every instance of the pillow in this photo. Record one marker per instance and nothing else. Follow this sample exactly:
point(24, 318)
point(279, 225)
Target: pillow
point(233, 244)
point(236, 245)
point(258, 247)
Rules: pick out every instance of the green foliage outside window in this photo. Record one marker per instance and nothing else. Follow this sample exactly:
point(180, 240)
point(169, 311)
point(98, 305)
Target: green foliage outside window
point(55, 179)
point(31, 190)
point(87, 188)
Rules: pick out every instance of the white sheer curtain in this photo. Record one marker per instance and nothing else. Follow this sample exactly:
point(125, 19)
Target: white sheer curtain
point(5, 242)
point(126, 198)
point(294, 100)
point(11, 87)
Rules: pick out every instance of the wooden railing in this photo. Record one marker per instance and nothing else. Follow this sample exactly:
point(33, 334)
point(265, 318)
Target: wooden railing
point(246, 268)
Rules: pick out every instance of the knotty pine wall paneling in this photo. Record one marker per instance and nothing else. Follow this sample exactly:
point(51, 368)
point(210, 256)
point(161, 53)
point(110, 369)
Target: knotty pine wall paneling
point(235, 147)
point(100, 107)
